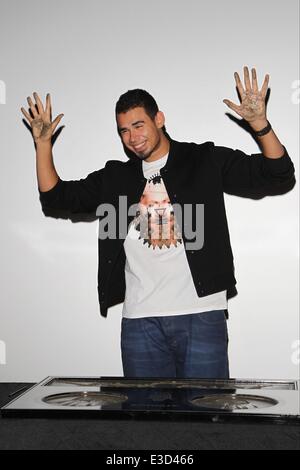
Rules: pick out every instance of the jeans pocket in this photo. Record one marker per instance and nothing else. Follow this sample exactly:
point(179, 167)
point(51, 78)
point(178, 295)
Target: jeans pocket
point(212, 318)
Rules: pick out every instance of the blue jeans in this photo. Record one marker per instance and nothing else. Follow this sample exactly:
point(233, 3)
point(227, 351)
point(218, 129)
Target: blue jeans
point(183, 346)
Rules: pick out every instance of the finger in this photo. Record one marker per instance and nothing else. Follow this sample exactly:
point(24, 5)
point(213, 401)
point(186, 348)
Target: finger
point(32, 107)
point(254, 81)
point(56, 122)
point(239, 84)
point(247, 79)
point(28, 117)
point(48, 106)
point(264, 87)
point(39, 103)
point(232, 105)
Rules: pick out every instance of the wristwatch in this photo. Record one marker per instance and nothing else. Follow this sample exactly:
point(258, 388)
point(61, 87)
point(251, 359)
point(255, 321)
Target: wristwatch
point(263, 131)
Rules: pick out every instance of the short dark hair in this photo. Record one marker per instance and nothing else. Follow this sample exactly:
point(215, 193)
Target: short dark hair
point(138, 98)
point(134, 98)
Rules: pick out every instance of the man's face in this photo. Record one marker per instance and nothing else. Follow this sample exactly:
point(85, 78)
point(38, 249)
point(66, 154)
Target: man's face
point(139, 133)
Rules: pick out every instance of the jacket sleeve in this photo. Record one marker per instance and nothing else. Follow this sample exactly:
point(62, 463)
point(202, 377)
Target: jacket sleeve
point(82, 195)
point(255, 171)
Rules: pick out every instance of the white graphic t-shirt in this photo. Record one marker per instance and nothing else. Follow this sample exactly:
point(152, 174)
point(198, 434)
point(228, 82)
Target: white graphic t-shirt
point(157, 273)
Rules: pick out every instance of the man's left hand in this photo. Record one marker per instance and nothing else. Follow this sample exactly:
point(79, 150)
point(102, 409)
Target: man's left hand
point(252, 107)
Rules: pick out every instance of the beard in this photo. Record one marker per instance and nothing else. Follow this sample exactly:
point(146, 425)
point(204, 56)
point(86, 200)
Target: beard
point(147, 153)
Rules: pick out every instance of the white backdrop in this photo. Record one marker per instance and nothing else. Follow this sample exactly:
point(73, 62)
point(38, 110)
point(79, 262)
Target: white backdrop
point(86, 54)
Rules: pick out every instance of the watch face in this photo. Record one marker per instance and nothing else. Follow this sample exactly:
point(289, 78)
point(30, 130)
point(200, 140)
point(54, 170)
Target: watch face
point(79, 399)
point(231, 402)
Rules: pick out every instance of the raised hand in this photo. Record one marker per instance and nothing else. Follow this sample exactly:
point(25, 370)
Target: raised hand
point(40, 119)
point(252, 107)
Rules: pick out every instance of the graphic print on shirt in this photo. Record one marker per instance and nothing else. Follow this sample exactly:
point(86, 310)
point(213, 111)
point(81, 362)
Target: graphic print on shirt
point(155, 219)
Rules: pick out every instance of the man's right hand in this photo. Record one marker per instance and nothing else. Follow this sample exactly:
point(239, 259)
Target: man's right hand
point(40, 119)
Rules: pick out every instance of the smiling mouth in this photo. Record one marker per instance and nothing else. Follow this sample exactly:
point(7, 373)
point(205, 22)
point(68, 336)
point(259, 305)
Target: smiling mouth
point(140, 146)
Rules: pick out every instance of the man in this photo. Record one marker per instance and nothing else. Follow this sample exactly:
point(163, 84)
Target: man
point(174, 286)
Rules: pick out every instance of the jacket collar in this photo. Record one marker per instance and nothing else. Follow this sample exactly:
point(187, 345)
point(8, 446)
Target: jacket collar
point(171, 161)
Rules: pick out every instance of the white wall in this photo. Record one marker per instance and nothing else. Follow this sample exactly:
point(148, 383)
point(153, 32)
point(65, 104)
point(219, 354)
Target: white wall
point(86, 54)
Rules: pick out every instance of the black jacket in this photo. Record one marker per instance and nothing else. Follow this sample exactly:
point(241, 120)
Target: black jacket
point(193, 174)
